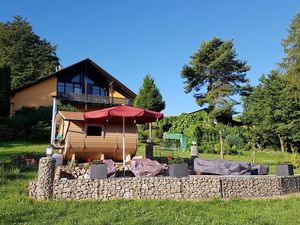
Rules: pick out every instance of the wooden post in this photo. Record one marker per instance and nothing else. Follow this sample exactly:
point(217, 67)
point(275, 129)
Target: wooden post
point(123, 138)
point(150, 131)
point(222, 145)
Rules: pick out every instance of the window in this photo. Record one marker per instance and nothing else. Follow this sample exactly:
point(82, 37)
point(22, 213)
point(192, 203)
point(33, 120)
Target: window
point(94, 130)
point(77, 88)
point(61, 87)
point(76, 79)
point(103, 92)
point(69, 87)
point(88, 80)
point(95, 90)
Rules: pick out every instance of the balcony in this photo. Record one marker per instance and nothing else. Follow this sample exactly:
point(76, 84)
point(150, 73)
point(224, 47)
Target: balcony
point(93, 99)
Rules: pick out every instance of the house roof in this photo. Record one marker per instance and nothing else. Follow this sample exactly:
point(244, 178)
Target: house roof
point(117, 84)
point(71, 115)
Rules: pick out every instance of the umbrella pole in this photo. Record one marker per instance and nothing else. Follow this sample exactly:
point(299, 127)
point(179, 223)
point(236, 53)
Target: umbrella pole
point(124, 143)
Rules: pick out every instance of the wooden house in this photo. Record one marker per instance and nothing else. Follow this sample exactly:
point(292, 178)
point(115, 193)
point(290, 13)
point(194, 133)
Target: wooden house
point(85, 85)
point(89, 141)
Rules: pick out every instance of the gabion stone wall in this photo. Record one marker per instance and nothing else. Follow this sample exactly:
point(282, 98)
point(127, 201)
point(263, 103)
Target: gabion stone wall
point(138, 188)
point(44, 187)
point(250, 186)
point(289, 185)
point(192, 187)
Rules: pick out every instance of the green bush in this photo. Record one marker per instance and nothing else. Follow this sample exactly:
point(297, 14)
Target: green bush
point(235, 140)
point(41, 131)
point(6, 133)
point(66, 107)
point(29, 123)
point(208, 148)
point(143, 132)
point(293, 159)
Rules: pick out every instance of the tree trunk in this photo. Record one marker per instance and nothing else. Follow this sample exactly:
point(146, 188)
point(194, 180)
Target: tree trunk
point(293, 148)
point(222, 145)
point(282, 145)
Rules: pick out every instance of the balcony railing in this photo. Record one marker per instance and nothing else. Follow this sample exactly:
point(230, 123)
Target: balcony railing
point(94, 99)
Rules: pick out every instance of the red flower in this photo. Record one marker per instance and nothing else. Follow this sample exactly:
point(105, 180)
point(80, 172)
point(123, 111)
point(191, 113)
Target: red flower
point(170, 158)
point(89, 159)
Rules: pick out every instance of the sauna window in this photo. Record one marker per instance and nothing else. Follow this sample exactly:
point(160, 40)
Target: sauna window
point(94, 131)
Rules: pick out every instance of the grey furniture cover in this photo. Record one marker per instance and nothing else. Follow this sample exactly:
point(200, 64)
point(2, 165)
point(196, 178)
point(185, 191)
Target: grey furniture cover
point(228, 167)
point(111, 169)
point(145, 167)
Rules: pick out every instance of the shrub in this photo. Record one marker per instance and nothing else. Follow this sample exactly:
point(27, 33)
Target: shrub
point(235, 140)
point(6, 133)
point(41, 131)
point(143, 131)
point(29, 123)
point(293, 159)
point(66, 107)
point(26, 159)
point(208, 148)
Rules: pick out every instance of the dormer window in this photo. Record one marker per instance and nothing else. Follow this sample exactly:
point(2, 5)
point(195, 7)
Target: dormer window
point(76, 79)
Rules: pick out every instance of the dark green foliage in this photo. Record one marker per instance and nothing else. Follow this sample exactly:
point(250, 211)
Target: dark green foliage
point(215, 67)
point(143, 131)
point(149, 96)
point(36, 122)
point(4, 91)
point(66, 107)
point(28, 56)
point(274, 113)
point(208, 148)
point(41, 131)
point(291, 62)
point(199, 127)
point(163, 126)
point(236, 138)
point(196, 126)
point(32, 123)
point(6, 132)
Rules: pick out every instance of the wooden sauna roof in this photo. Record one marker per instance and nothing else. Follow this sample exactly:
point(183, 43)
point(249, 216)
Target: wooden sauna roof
point(72, 115)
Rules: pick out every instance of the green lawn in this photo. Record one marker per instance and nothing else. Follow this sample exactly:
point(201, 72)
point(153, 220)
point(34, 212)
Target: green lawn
point(16, 208)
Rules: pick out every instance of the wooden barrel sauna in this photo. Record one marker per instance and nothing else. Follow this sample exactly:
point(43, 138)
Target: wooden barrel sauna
point(89, 141)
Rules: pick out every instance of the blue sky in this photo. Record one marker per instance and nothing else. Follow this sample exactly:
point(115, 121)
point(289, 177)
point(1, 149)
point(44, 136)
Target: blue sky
point(130, 39)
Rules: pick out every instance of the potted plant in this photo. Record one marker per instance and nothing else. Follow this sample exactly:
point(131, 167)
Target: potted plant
point(98, 170)
point(177, 167)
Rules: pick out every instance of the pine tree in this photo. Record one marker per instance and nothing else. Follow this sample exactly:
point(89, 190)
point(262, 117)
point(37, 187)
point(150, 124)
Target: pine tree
point(28, 56)
point(291, 63)
point(149, 96)
point(215, 67)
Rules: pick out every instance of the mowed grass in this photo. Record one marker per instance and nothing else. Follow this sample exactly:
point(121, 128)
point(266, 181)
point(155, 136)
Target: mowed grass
point(17, 208)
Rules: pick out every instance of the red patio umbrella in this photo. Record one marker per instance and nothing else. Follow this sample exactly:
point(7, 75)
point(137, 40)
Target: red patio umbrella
point(124, 114)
